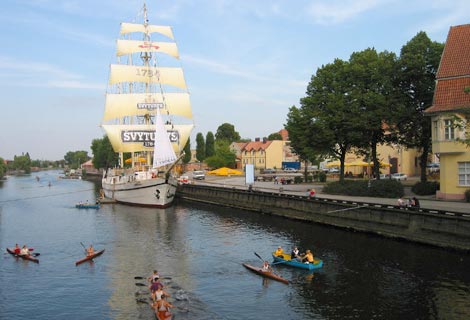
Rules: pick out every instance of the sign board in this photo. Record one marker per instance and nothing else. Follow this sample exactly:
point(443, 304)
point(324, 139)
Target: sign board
point(249, 174)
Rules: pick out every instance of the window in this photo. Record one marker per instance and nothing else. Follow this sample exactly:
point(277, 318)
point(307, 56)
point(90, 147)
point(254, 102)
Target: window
point(449, 132)
point(464, 173)
point(435, 130)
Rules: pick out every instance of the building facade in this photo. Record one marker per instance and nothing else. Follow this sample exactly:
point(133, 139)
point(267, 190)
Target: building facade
point(450, 114)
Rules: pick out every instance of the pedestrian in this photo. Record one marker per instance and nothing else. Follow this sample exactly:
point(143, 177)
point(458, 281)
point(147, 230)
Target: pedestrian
point(416, 203)
point(311, 193)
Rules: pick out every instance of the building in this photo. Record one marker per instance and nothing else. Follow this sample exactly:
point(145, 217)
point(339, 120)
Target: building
point(450, 114)
point(264, 153)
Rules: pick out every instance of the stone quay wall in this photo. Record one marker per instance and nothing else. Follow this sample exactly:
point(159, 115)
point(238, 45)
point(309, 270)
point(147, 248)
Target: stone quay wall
point(433, 227)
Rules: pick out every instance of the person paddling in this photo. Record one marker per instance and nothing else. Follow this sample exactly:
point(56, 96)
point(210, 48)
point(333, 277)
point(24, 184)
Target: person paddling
point(17, 249)
point(266, 267)
point(24, 251)
point(90, 251)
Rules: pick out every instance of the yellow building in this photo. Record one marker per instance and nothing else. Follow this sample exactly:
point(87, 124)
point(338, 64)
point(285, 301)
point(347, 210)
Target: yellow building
point(450, 114)
point(401, 159)
point(263, 154)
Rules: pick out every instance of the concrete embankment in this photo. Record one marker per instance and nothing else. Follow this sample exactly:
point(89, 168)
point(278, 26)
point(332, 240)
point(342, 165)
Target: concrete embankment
point(433, 227)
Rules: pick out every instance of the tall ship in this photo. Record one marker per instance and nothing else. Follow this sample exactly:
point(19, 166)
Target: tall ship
point(147, 117)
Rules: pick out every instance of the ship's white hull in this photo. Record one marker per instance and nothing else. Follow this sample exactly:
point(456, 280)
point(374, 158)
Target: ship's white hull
point(154, 192)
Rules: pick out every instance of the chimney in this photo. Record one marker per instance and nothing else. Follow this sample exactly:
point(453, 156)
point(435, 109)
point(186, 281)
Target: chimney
point(257, 139)
point(265, 140)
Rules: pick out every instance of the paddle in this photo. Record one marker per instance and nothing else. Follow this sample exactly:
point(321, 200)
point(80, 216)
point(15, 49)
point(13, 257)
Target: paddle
point(142, 278)
point(83, 247)
point(265, 260)
point(140, 284)
point(259, 257)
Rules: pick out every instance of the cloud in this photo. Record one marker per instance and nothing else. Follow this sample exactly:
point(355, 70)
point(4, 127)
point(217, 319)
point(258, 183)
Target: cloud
point(37, 74)
point(331, 13)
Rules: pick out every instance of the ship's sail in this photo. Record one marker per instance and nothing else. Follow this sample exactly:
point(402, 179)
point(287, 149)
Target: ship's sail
point(163, 153)
point(147, 106)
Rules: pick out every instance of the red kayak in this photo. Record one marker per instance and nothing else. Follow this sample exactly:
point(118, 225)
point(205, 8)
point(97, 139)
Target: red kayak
point(267, 274)
point(24, 257)
point(88, 258)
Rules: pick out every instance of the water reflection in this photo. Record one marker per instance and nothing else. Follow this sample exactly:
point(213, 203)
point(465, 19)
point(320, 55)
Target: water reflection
point(200, 250)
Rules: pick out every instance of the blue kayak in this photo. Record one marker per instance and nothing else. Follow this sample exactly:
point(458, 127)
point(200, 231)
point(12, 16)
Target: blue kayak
point(285, 259)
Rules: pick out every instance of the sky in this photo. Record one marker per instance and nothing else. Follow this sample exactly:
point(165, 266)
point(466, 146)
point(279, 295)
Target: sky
point(246, 62)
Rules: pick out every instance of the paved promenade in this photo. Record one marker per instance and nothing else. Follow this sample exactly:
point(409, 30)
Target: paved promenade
point(427, 202)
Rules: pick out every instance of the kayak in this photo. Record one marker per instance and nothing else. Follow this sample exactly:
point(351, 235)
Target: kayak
point(24, 257)
point(267, 274)
point(163, 315)
point(88, 258)
point(285, 259)
point(87, 206)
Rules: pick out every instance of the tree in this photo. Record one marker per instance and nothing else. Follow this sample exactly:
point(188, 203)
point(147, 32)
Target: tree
point(223, 156)
point(227, 132)
point(3, 168)
point(275, 136)
point(187, 152)
point(373, 94)
point(210, 144)
point(419, 61)
point(200, 147)
point(326, 123)
point(75, 158)
point(103, 153)
point(22, 163)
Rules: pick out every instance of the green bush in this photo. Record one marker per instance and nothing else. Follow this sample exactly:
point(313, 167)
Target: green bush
point(298, 180)
point(425, 188)
point(377, 188)
point(322, 176)
point(467, 195)
point(309, 178)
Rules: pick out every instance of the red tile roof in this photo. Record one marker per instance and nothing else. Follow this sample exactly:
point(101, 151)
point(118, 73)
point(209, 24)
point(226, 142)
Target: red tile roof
point(256, 145)
point(284, 134)
point(453, 76)
point(455, 58)
point(449, 95)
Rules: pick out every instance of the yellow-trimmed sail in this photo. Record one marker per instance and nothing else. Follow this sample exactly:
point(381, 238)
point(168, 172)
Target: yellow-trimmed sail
point(132, 46)
point(122, 105)
point(164, 75)
point(122, 137)
point(134, 27)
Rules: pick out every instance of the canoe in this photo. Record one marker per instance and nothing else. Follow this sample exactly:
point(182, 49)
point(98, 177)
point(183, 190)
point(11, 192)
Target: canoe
point(265, 274)
point(286, 260)
point(87, 206)
point(28, 257)
point(88, 258)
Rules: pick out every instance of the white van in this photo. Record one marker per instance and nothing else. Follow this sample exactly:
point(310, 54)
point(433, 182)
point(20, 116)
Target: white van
point(199, 175)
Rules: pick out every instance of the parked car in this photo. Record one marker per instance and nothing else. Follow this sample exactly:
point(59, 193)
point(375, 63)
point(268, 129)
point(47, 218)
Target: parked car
point(183, 180)
point(199, 175)
point(290, 170)
point(269, 170)
point(333, 170)
point(433, 167)
point(399, 176)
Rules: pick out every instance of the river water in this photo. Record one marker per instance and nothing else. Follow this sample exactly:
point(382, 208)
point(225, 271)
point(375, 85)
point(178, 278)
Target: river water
point(199, 250)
